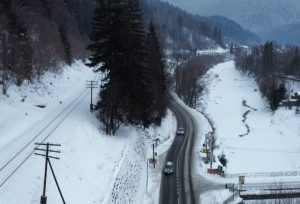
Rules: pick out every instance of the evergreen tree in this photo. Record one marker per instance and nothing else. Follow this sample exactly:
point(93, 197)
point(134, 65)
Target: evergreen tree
point(47, 6)
point(131, 93)
point(118, 43)
point(217, 36)
point(231, 49)
point(159, 87)
point(66, 44)
point(268, 59)
point(281, 92)
point(140, 83)
point(108, 49)
point(294, 66)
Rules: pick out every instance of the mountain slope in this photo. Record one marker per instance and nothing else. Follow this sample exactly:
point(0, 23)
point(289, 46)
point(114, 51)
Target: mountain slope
point(289, 34)
point(256, 15)
point(231, 31)
point(179, 28)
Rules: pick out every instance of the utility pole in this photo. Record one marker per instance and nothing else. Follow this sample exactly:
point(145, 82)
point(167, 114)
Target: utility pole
point(91, 85)
point(147, 178)
point(45, 153)
point(210, 138)
point(156, 142)
point(207, 135)
point(153, 156)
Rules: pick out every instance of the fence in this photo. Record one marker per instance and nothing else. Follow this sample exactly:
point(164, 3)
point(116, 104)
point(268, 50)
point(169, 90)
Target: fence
point(265, 174)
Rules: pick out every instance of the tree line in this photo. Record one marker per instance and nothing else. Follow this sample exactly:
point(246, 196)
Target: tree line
point(267, 63)
point(135, 89)
point(188, 75)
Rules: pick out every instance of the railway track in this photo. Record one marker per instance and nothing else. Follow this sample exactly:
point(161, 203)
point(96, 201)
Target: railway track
point(17, 159)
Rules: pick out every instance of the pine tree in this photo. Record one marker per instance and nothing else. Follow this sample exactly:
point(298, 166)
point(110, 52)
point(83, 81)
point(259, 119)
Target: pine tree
point(268, 59)
point(118, 44)
point(108, 49)
point(47, 6)
point(281, 92)
point(231, 49)
point(66, 44)
point(156, 63)
point(217, 36)
point(294, 66)
point(139, 87)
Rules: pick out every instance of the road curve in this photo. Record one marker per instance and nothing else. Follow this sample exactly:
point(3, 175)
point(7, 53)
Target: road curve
point(178, 187)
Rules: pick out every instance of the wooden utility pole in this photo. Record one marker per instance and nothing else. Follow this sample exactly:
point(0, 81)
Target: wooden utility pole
point(45, 154)
point(156, 142)
point(92, 85)
point(153, 156)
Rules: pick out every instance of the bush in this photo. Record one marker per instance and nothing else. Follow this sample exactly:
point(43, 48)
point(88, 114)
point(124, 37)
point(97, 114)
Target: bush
point(223, 159)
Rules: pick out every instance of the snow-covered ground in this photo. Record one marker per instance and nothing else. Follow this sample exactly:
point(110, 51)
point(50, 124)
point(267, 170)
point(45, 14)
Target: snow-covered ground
point(269, 143)
point(268, 153)
point(93, 167)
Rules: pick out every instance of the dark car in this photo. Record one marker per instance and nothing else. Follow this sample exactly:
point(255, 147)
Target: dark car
point(169, 168)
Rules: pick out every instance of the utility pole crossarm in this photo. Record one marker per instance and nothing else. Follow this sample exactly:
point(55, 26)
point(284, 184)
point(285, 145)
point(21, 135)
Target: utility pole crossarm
point(55, 151)
point(45, 144)
point(45, 153)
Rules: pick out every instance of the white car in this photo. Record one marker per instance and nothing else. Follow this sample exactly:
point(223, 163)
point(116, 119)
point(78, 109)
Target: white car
point(180, 131)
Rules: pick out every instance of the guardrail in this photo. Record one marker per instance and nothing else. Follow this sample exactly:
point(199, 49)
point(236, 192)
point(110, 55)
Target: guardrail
point(264, 174)
point(230, 199)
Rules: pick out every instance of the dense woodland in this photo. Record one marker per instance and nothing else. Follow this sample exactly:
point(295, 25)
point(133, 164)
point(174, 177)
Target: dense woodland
point(37, 36)
point(268, 63)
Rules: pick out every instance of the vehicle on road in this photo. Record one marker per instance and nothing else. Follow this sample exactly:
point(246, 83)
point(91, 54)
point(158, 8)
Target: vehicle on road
point(169, 168)
point(180, 131)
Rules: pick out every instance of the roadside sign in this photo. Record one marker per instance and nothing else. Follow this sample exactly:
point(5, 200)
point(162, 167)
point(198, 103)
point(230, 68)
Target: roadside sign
point(152, 161)
point(241, 180)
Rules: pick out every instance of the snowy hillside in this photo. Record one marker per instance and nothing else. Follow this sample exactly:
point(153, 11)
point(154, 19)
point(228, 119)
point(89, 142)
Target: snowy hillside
point(252, 137)
point(93, 167)
point(256, 15)
point(232, 32)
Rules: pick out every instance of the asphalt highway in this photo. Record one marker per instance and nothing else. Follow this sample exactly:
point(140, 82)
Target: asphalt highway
point(177, 188)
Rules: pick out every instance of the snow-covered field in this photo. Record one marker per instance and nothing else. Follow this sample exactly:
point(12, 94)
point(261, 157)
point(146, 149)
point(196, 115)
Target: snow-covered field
point(252, 137)
point(266, 154)
point(93, 167)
